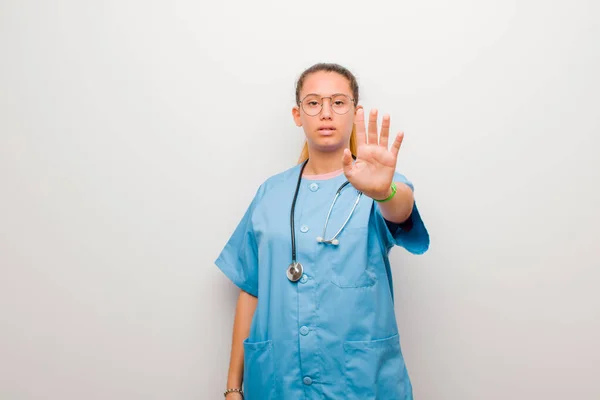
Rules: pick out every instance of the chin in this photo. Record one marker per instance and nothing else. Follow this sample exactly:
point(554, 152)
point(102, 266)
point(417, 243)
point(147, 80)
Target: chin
point(327, 144)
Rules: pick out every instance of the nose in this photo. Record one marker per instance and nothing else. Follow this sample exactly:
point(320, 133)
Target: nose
point(326, 109)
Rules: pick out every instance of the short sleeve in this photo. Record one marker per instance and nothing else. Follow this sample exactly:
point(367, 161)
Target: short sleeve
point(239, 258)
point(412, 234)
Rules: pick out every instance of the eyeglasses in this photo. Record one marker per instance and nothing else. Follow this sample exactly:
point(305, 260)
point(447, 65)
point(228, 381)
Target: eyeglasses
point(312, 104)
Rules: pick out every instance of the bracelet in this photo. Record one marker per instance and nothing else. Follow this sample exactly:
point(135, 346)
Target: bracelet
point(394, 190)
point(234, 390)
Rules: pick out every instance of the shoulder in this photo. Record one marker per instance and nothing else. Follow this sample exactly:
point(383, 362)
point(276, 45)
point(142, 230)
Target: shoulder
point(279, 181)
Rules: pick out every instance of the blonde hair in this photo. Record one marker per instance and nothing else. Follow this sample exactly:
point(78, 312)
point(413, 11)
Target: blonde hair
point(329, 67)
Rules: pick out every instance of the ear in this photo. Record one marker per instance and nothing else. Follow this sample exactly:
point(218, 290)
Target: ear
point(296, 115)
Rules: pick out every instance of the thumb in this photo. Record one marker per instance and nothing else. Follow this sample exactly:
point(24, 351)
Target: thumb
point(347, 161)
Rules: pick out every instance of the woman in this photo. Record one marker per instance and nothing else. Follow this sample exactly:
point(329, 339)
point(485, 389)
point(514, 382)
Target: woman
point(315, 315)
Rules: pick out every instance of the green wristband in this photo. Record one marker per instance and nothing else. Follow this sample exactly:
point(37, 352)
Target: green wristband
point(394, 189)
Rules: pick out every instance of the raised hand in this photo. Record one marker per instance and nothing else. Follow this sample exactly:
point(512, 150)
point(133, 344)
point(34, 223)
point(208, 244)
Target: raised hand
point(373, 171)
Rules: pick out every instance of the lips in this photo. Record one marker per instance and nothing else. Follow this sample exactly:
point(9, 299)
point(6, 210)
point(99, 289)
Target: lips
point(326, 130)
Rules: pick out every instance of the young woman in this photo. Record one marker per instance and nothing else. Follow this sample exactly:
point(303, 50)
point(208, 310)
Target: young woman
point(315, 315)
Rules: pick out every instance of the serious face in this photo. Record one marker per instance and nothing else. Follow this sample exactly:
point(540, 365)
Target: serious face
point(326, 112)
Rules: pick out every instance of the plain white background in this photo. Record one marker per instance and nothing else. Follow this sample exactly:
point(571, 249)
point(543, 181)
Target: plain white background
point(133, 135)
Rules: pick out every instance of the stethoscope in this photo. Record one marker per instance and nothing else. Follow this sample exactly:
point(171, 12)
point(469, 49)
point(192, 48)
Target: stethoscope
point(295, 269)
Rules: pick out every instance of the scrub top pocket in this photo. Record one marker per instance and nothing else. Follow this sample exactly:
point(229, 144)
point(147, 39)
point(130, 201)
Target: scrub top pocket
point(375, 370)
point(259, 370)
point(349, 260)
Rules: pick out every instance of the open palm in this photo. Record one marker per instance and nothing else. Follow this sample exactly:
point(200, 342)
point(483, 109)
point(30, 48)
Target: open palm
point(375, 164)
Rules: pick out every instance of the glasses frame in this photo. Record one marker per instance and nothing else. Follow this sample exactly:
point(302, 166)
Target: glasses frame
point(322, 102)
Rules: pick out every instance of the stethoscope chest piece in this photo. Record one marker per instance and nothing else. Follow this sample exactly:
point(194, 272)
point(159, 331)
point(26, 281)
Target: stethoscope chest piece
point(295, 271)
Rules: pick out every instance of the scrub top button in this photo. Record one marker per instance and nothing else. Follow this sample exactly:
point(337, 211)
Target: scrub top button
point(304, 278)
point(314, 187)
point(304, 228)
point(307, 380)
point(304, 331)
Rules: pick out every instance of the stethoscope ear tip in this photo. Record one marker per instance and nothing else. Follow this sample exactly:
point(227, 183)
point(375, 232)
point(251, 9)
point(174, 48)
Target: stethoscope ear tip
point(334, 242)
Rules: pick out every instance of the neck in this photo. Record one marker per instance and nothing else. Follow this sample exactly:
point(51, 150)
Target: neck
point(324, 163)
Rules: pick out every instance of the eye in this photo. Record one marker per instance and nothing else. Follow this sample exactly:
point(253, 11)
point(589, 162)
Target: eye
point(339, 103)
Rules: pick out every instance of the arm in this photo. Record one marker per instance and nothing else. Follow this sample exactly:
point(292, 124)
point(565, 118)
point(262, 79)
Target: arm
point(373, 171)
point(399, 207)
point(246, 305)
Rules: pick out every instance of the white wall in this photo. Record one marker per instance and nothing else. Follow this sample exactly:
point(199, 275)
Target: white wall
point(134, 134)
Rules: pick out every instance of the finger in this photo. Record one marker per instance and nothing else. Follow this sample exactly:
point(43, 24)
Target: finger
point(347, 161)
point(397, 143)
point(359, 122)
point(385, 131)
point(373, 126)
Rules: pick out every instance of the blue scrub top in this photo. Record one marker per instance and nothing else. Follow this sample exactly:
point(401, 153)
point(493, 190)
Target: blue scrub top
point(333, 334)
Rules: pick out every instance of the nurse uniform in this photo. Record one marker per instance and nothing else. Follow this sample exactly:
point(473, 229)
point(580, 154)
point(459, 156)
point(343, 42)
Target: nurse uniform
point(333, 333)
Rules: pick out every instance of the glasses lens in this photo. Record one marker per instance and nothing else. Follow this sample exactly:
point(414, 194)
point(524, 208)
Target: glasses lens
point(340, 103)
point(312, 105)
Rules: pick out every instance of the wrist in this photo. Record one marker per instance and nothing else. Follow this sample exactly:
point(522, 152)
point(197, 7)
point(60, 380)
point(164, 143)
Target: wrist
point(234, 393)
point(386, 195)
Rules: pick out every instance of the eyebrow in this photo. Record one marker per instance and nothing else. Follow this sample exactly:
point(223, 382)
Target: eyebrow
point(317, 94)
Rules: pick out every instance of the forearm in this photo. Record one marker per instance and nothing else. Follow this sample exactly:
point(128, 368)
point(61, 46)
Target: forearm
point(246, 305)
point(399, 207)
